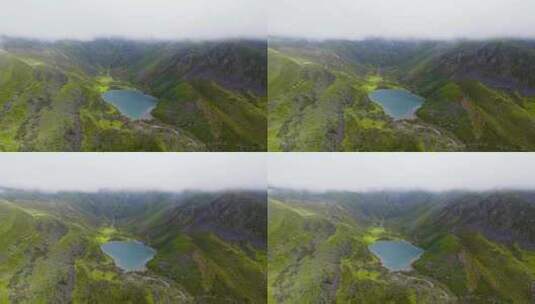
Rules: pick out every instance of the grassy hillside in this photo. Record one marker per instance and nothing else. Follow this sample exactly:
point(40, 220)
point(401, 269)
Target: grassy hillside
point(479, 95)
point(316, 108)
point(319, 255)
point(478, 247)
point(50, 248)
point(211, 95)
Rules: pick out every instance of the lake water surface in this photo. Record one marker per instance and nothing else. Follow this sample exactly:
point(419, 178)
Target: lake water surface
point(131, 103)
point(399, 104)
point(396, 255)
point(129, 255)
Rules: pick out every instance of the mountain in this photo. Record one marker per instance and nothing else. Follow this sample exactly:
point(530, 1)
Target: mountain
point(211, 95)
point(479, 95)
point(478, 246)
point(210, 247)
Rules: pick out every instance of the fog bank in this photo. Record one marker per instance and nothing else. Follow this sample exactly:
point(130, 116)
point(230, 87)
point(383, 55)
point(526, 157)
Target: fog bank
point(135, 19)
point(132, 171)
point(429, 19)
point(402, 171)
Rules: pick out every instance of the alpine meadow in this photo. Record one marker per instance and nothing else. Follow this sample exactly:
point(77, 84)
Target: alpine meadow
point(449, 235)
point(158, 237)
point(401, 76)
point(267, 152)
point(76, 86)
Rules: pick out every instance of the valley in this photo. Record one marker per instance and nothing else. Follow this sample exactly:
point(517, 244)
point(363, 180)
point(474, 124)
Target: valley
point(208, 96)
point(52, 247)
point(474, 95)
point(476, 247)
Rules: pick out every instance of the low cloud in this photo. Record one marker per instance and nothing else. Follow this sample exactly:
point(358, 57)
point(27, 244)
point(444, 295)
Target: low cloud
point(438, 19)
point(132, 171)
point(135, 19)
point(402, 171)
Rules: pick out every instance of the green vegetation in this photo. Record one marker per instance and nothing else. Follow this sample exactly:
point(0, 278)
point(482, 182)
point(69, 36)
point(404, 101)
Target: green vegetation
point(216, 116)
point(317, 108)
point(318, 254)
point(50, 96)
point(478, 247)
point(484, 118)
point(50, 248)
point(479, 95)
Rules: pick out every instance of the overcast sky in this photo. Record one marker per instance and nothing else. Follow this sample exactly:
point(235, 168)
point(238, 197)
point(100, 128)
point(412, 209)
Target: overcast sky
point(158, 19)
point(356, 19)
point(379, 171)
point(136, 171)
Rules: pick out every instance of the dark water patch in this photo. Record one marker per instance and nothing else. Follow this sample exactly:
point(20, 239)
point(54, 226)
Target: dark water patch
point(131, 103)
point(399, 104)
point(396, 255)
point(129, 255)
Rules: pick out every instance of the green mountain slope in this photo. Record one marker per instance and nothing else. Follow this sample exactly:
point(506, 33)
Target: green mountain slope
point(315, 108)
point(211, 95)
point(319, 254)
point(478, 247)
point(479, 95)
point(50, 247)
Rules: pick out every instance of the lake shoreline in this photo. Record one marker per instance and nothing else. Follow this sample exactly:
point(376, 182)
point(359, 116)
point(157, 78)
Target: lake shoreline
point(382, 251)
point(400, 104)
point(131, 103)
point(129, 256)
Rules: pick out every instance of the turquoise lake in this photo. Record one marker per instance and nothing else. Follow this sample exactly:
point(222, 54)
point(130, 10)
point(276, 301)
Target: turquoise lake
point(133, 104)
point(130, 255)
point(396, 255)
point(399, 104)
